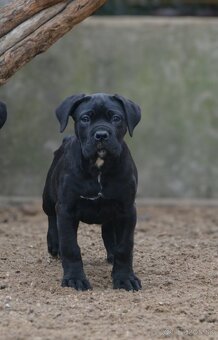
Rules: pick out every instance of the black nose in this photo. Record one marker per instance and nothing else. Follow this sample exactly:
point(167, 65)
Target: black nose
point(101, 135)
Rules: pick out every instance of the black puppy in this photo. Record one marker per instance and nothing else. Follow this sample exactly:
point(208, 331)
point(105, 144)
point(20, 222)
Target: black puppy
point(3, 114)
point(93, 179)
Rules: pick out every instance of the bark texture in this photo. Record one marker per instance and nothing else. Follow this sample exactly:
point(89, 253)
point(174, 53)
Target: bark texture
point(30, 27)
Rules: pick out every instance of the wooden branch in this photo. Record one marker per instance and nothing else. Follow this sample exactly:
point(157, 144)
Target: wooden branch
point(37, 34)
point(29, 26)
point(20, 10)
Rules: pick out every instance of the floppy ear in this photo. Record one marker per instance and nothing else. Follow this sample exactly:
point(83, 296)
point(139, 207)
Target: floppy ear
point(3, 114)
point(132, 112)
point(66, 108)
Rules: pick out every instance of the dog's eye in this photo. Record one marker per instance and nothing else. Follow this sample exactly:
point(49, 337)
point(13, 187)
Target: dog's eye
point(85, 119)
point(116, 118)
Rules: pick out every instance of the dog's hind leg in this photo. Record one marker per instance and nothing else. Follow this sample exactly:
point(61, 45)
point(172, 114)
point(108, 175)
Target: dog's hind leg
point(108, 236)
point(52, 236)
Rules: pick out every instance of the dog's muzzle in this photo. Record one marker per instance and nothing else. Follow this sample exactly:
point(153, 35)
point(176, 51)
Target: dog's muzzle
point(101, 138)
point(102, 142)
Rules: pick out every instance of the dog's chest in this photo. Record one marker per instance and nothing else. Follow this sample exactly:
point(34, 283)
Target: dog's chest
point(97, 211)
point(97, 202)
point(92, 189)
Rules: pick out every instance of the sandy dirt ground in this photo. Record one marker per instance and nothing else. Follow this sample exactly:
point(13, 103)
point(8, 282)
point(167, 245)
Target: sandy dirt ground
point(176, 257)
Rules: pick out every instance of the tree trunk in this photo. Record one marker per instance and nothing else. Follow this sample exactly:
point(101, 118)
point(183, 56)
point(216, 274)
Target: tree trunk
point(30, 27)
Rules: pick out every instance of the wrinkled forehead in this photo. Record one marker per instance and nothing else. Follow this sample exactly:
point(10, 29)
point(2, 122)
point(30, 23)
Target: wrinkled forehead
point(100, 104)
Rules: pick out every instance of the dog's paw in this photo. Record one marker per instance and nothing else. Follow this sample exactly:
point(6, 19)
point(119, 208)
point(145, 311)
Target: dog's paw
point(81, 284)
point(128, 282)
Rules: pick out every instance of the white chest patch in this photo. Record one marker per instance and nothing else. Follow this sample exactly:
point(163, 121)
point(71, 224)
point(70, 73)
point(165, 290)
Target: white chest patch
point(99, 162)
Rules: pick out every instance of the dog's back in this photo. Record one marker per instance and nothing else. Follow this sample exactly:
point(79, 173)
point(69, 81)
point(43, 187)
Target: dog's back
point(49, 189)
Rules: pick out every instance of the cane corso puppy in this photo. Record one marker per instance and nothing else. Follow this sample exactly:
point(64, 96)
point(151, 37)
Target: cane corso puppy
point(3, 114)
point(93, 179)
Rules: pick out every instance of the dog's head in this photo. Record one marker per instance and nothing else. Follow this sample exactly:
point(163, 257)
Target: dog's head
point(101, 121)
point(3, 114)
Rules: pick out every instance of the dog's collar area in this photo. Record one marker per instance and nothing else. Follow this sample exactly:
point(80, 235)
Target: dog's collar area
point(92, 198)
point(99, 195)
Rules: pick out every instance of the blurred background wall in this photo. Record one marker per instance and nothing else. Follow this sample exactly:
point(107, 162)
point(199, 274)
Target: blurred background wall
point(168, 66)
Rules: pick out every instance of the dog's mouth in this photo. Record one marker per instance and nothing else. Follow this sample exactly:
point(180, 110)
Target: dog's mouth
point(102, 153)
point(101, 150)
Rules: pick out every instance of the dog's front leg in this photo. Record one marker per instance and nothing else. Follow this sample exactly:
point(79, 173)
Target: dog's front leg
point(122, 273)
point(74, 275)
